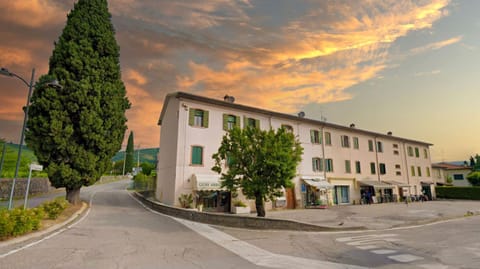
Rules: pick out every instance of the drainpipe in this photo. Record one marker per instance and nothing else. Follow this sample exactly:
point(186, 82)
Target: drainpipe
point(406, 167)
point(376, 157)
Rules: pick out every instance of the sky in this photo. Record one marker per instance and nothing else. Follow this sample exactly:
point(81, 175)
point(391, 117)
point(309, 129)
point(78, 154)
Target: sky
point(405, 66)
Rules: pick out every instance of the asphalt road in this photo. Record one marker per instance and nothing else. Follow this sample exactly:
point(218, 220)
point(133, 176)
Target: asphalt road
point(119, 233)
point(450, 244)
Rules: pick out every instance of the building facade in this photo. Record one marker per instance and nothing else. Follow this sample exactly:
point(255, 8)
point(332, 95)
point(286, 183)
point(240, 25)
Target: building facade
point(444, 171)
point(340, 164)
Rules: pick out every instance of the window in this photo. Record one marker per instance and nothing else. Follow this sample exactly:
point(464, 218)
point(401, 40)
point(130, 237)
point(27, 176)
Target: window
point(410, 151)
point(197, 155)
point(348, 168)
point(370, 145)
point(419, 169)
point(315, 136)
point(358, 168)
point(288, 128)
point(412, 169)
point(356, 145)
point(329, 165)
point(379, 146)
point(417, 153)
point(251, 122)
point(228, 161)
point(328, 139)
point(372, 168)
point(345, 141)
point(397, 166)
point(383, 169)
point(230, 121)
point(458, 176)
point(395, 146)
point(317, 165)
point(198, 118)
point(395, 152)
point(425, 153)
point(398, 173)
point(428, 171)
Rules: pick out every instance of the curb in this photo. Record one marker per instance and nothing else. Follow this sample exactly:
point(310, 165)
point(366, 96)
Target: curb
point(43, 233)
point(236, 221)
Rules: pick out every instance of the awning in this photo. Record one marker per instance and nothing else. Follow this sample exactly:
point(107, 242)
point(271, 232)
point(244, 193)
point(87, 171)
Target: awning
point(206, 182)
point(396, 183)
point(375, 184)
point(317, 182)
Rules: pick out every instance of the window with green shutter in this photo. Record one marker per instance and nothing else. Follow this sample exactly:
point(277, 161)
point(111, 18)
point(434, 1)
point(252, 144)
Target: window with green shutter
point(251, 122)
point(230, 121)
point(198, 118)
point(197, 155)
point(315, 136)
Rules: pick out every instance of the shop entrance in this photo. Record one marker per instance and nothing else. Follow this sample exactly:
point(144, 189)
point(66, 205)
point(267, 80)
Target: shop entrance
point(214, 201)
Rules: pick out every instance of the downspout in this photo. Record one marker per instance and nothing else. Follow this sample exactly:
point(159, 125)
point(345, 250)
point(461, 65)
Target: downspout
point(376, 157)
point(406, 167)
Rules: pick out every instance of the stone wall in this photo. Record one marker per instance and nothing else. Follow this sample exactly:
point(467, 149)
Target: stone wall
point(37, 186)
point(231, 220)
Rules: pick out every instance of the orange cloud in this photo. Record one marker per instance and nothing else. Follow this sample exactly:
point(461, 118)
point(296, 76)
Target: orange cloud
point(32, 13)
point(437, 45)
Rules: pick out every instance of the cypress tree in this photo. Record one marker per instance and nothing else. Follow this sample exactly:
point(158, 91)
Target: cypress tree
point(129, 156)
point(76, 130)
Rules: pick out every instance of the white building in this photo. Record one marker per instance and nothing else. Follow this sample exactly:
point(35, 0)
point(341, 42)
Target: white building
point(457, 173)
point(340, 164)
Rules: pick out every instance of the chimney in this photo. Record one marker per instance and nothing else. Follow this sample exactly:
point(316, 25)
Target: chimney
point(389, 133)
point(229, 99)
point(352, 125)
point(301, 114)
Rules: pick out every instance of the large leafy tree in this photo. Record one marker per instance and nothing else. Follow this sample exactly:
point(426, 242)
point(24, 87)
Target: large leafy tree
point(259, 162)
point(76, 130)
point(129, 154)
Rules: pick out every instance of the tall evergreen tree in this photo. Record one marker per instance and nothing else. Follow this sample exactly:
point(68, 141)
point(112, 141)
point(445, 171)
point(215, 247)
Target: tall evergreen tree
point(129, 154)
point(75, 131)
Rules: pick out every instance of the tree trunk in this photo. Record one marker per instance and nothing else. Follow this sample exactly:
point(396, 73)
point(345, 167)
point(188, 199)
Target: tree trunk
point(259, 205)
point(73, 195)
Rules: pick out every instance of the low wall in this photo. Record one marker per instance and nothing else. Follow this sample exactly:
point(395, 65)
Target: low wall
point(37, 186)
point(236, 221)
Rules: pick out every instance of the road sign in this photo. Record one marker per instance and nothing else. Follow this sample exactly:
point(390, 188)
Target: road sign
point(36, 167)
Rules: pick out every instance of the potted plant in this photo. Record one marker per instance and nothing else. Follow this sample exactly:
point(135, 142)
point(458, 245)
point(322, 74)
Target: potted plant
point(240, 207)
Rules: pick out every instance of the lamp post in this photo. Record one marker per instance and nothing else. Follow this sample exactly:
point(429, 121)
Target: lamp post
point(5, 72)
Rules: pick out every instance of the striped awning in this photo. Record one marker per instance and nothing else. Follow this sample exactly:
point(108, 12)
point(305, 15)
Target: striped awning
point(317, 182)
point(206, 182)
point(375, 184)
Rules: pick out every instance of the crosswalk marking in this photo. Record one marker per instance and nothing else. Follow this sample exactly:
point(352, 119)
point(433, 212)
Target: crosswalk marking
point(383, 251)
point(405, 258)
point(373, 243)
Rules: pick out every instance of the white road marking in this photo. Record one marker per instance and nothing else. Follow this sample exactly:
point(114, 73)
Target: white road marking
point(50, 235)
point(364, 237)
point(367, 247)
point(251, 253)
point(405, 258)
point(383, 251)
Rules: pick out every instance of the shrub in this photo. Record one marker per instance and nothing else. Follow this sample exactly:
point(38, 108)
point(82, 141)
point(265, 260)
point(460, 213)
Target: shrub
point(6, 223)
point(469, 193)
point(186, 200)
point(239, 203)
point(143, 182)
point(54, 208)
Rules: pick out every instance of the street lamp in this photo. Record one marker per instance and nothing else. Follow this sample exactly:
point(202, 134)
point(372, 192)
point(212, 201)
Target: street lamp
point(55, 84)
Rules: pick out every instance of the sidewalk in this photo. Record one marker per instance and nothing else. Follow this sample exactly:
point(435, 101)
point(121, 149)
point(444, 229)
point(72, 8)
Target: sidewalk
point(380, 216)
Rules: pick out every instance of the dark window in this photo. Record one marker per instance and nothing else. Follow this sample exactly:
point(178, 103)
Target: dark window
point(372, 168)
point(358, 168)
point(383, 169)
point(458, 176)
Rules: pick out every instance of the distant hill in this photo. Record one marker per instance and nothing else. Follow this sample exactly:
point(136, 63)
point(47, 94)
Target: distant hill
point(8, 169)
point(146, 155)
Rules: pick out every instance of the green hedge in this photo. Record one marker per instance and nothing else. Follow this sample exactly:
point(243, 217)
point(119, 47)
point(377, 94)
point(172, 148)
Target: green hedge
point(468, 193)
point(20, 221)
point(142, 182)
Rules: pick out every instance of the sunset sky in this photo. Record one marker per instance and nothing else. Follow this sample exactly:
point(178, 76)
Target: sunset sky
point(410, 67)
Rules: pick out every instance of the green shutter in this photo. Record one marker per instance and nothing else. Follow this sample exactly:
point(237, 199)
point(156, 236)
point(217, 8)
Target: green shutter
point(197, 153)
point(191, 116)
point(257, 124)
point(237, 121)
point(245, 122)
point(205, 118)
point(225, 122)
point(312, 139)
